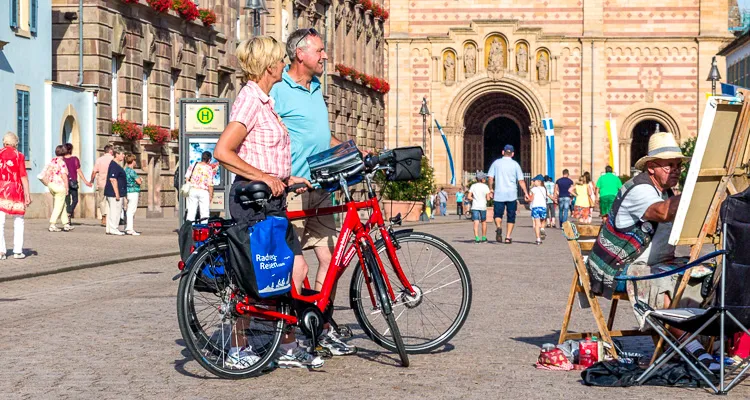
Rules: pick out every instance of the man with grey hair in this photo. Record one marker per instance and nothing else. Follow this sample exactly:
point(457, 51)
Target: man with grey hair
point(298, 99)
point(116, 188)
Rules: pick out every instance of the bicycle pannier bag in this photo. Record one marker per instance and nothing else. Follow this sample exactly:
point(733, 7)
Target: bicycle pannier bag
point(407, 163)
point(261, 258)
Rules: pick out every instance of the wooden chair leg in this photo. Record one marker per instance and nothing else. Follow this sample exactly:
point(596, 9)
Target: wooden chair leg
point(568, 308)
point(603, 331)
point(612, 312)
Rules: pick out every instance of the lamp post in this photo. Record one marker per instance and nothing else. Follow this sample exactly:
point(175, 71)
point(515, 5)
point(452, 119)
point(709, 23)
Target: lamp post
point(713, 76)
point(424, 112)
point(256, 7)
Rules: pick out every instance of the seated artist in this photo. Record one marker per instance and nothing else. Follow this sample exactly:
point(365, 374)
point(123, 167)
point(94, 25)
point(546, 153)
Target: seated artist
point(634, 240)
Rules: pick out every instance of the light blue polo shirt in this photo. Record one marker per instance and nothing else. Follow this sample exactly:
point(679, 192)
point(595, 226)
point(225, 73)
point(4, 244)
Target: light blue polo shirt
point(305, 114)
point(506, 173)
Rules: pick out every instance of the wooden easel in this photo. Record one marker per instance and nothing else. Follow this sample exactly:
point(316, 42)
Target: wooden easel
point(726, 187)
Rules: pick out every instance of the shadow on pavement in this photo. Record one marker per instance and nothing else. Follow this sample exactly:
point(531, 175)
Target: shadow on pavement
point(179, 365)
point(539, 340)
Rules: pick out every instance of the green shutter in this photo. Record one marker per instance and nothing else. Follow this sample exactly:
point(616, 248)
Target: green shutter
point(14, 14)
point(33, 15)
point(22, 127)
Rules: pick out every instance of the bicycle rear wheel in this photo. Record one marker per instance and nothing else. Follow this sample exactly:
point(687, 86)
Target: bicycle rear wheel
point(383, 300)
point(206, 298)
point(442, 302)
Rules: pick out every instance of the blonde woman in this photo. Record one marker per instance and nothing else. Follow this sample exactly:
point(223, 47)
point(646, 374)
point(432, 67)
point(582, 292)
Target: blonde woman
point(57, 175)
point(14, 193)
point(255, 145)
point(200, 176)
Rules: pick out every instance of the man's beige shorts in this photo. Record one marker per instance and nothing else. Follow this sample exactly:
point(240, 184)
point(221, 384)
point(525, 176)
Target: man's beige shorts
point(317, 231)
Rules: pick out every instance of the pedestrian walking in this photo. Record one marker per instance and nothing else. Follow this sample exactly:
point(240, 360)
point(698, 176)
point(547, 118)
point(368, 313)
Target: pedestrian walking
point(607, 187)
point(479, 195)
point(14, 193)
point(200, 176)
point(57, 182)
point(562, 194)
point(74, 172)
point(551, 201)
point(538, 203)
point(591, 190)
point(505, 176)
point(582, 193)
point(115, 189)
point(431, 208)
point(134, 189)
point(442, 197)
point(460, 202)
point(101, 167)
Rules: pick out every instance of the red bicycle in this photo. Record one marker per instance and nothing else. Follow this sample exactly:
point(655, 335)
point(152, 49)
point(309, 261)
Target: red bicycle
point(422, 308)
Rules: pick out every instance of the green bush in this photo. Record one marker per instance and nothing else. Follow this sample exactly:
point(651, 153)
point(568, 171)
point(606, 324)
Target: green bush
point(416, 190)
point(687, 147)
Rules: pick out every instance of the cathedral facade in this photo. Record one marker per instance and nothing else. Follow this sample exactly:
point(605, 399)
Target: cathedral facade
point(491, 70)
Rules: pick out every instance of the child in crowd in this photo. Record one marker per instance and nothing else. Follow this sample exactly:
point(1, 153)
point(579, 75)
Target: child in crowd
point(582, 210)
point(479, 195)
point(549, 184)
point(460, 202)
point(538, 201)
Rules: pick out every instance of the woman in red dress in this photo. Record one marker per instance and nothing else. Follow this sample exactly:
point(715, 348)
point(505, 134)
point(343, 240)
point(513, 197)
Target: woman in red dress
point(14, 193)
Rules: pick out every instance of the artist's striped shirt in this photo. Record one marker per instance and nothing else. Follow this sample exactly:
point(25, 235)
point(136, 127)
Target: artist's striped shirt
point(266, 146)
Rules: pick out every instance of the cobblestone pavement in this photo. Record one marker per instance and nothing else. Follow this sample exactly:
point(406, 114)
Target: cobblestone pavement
point(111, 332)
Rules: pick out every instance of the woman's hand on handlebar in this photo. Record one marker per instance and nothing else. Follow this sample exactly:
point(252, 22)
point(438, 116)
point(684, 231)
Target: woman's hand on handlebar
point(276, 185)
point(299, 182)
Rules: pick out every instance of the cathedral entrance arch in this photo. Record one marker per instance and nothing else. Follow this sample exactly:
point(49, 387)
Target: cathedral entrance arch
point(494, 112)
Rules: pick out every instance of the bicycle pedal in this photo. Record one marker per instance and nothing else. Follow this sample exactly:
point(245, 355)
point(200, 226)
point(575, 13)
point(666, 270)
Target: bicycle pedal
point(323, 352)
point(345, 332)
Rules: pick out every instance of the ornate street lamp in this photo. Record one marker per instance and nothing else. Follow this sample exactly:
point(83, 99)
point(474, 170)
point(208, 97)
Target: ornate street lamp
point(257, 7)
point(713, 75)
point(424, 112)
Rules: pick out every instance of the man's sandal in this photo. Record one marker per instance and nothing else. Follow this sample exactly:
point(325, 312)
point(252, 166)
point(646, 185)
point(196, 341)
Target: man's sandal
point(508, 240)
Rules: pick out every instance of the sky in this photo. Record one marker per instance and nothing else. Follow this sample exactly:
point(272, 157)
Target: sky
point(744, 4)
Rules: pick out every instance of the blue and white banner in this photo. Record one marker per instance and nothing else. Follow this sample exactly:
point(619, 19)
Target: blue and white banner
point(549, 133)
point(448, 150)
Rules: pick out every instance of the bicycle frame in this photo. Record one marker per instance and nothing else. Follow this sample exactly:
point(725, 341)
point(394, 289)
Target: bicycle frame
point(343, 254)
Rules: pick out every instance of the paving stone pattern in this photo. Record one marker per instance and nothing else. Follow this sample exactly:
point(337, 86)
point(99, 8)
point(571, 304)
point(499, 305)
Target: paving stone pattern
point(111, 333)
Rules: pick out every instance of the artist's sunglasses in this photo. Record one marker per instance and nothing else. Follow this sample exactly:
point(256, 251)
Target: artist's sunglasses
point(310, 31)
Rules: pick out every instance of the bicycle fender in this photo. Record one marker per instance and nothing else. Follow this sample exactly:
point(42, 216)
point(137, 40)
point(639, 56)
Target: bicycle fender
point(394, 236)
point(189, 261)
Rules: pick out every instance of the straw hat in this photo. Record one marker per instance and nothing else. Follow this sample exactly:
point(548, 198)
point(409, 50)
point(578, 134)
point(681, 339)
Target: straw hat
point(661, 146)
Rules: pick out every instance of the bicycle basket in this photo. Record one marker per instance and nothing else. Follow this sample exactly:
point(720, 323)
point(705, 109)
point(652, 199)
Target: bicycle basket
point(339, 159)
point(406, 163)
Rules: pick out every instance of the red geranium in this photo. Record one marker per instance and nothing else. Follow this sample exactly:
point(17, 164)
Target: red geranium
point(343, 70)
point(186, 8)
point(160, 6)
point(386, 88)
point(207, 16)
point(127, 130)
point(157, 134)
point(367, 4)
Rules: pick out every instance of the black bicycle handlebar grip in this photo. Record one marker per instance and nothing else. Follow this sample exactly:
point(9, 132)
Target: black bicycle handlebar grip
point(293, 188)
point(372, 161)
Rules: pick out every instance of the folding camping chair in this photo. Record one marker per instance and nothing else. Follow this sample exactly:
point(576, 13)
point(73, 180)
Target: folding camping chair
point(731, 301)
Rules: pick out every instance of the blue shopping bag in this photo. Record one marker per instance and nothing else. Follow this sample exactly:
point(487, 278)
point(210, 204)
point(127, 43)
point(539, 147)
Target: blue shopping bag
point(261, 258)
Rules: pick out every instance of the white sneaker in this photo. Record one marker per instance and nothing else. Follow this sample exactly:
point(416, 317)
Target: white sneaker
point(332, 341)
point(116, 233)
point(17, 256)
point(132, 233)
point(297, 357)
point(241, 358)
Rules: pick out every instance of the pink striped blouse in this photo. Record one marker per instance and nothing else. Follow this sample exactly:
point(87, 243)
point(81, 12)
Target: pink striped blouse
point(267, 145)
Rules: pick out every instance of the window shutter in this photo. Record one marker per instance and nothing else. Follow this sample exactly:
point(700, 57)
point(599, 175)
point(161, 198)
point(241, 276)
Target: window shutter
point(14, 14)
point(33, 16)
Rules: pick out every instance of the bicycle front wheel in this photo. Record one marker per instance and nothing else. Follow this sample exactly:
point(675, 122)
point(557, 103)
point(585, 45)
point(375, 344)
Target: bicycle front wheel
point(438, 310)
point(383, 302)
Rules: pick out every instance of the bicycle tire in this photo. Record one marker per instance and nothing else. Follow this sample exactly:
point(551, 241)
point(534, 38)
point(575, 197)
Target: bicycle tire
point(206, 346)
point(414, 344)
point(384, 300)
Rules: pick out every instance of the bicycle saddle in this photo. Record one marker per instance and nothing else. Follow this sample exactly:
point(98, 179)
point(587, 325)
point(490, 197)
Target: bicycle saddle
point(251, 192)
